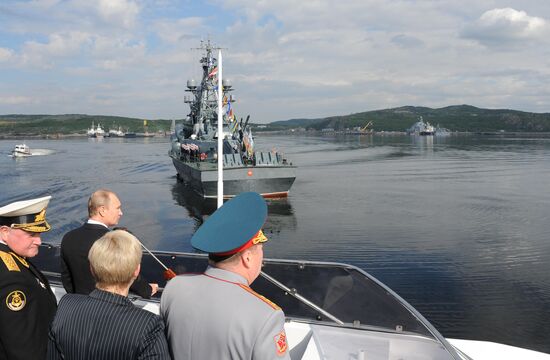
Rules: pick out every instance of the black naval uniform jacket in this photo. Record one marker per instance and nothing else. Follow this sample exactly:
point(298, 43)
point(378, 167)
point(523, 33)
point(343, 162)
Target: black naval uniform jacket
point(27, 308)
point(105, 326)
point(75, 267)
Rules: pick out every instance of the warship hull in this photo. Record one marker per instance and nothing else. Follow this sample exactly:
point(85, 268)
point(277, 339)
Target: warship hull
point(269, 181)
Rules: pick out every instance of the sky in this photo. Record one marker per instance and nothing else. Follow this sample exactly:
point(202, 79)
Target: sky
point(285, 58)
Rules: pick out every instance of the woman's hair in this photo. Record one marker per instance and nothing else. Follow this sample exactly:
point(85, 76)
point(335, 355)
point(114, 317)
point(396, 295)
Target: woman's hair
point(114, 258)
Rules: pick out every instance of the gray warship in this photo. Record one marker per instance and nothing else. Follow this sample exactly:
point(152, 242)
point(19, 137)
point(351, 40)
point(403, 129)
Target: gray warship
point(194, 144)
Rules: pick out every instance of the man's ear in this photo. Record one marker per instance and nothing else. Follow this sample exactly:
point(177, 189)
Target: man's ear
point(136, 272)
point(4, 230)
point(245, 258)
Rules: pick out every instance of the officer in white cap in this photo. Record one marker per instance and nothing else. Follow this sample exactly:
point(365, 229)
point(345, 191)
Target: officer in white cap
point(216, 315)
point(27, 304)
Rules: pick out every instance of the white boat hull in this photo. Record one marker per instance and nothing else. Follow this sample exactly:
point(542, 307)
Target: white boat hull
point(489, 350)
point(316, 341)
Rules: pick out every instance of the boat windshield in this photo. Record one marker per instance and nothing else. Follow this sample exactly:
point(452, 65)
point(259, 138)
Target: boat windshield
point(344, 291)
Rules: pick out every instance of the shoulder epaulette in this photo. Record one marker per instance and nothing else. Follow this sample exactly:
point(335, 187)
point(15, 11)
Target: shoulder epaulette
point(261, 297)
point(21, 260)
point(9, 261)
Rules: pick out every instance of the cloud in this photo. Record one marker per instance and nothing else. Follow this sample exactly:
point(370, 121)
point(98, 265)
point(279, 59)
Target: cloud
point(505, 28)
point(175, 31)
point(317, 58)
point(43, 54)
point(407, 41)
point(118, 12)
point(6, 54)
point(14, 100)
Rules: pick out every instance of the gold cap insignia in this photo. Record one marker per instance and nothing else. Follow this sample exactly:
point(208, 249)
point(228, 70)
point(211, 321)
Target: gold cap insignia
point(40, 217)
point(16, 300)
point(38, 225)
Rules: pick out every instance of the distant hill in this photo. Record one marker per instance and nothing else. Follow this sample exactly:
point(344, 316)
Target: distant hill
point(455, 118)
point(35, 125)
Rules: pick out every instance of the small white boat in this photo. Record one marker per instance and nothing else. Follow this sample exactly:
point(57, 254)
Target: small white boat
point(21, 150)
point(96, 132)
point(99, 132)
point(116, 133)
point(91, 131)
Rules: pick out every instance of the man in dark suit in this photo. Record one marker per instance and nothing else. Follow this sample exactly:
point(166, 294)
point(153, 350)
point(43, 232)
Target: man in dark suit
point(105, 324)
point(27, 304)
point(104, 210)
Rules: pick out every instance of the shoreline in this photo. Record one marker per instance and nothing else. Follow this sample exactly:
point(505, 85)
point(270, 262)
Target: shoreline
point(60, 136)
point(70, 136)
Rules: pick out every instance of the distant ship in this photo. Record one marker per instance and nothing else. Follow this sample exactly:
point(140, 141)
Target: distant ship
point(194, 144)
point(116, 132)
point(421, 128)
point(96, 132)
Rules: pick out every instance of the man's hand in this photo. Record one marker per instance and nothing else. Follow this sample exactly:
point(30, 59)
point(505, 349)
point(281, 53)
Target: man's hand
point(154, 288)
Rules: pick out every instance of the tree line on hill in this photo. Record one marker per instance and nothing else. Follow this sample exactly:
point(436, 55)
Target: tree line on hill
point(462, 118)
point(36, 125)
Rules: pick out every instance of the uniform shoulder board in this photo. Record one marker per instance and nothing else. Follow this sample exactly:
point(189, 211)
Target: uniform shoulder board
point(263, 298)
point(9, 261)
point(21, 260)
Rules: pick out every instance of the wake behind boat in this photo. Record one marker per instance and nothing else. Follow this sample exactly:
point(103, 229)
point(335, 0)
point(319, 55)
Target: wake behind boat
point(194, 144)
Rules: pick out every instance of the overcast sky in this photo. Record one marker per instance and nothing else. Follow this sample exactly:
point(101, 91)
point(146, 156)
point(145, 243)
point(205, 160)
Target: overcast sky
point(286, 58)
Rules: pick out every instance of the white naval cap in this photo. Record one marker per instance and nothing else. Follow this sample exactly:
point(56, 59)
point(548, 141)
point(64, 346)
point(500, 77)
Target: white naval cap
point(28, 215)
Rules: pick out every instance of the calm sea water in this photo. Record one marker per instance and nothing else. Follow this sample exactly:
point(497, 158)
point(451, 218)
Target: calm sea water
point(458, 226)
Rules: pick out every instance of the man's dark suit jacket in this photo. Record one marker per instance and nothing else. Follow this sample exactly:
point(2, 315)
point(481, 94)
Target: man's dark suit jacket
point(75, 267)
point(104, 325)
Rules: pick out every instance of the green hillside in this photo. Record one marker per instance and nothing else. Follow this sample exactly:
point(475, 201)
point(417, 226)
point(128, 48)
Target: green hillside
point(35, 125)
point(454, 118)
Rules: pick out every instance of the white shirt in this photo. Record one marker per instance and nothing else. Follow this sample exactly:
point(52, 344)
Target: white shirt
point(90, 221)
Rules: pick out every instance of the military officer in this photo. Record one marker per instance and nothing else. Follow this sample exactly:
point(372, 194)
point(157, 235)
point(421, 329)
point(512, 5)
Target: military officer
point(27, 304)
point(216, 315)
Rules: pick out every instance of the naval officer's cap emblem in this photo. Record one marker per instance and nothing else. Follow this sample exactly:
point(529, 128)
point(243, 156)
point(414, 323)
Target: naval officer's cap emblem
point(16, 300)
point(28, 215)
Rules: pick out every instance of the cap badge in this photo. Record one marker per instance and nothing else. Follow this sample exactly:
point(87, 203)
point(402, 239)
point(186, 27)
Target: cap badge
point(16, 300)
point(280, 343)
point(40, 217)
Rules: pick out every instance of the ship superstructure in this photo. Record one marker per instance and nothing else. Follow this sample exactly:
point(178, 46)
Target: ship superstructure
point(194, 143)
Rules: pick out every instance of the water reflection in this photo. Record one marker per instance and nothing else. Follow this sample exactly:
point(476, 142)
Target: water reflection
point(424, 143)
point(280, 213)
